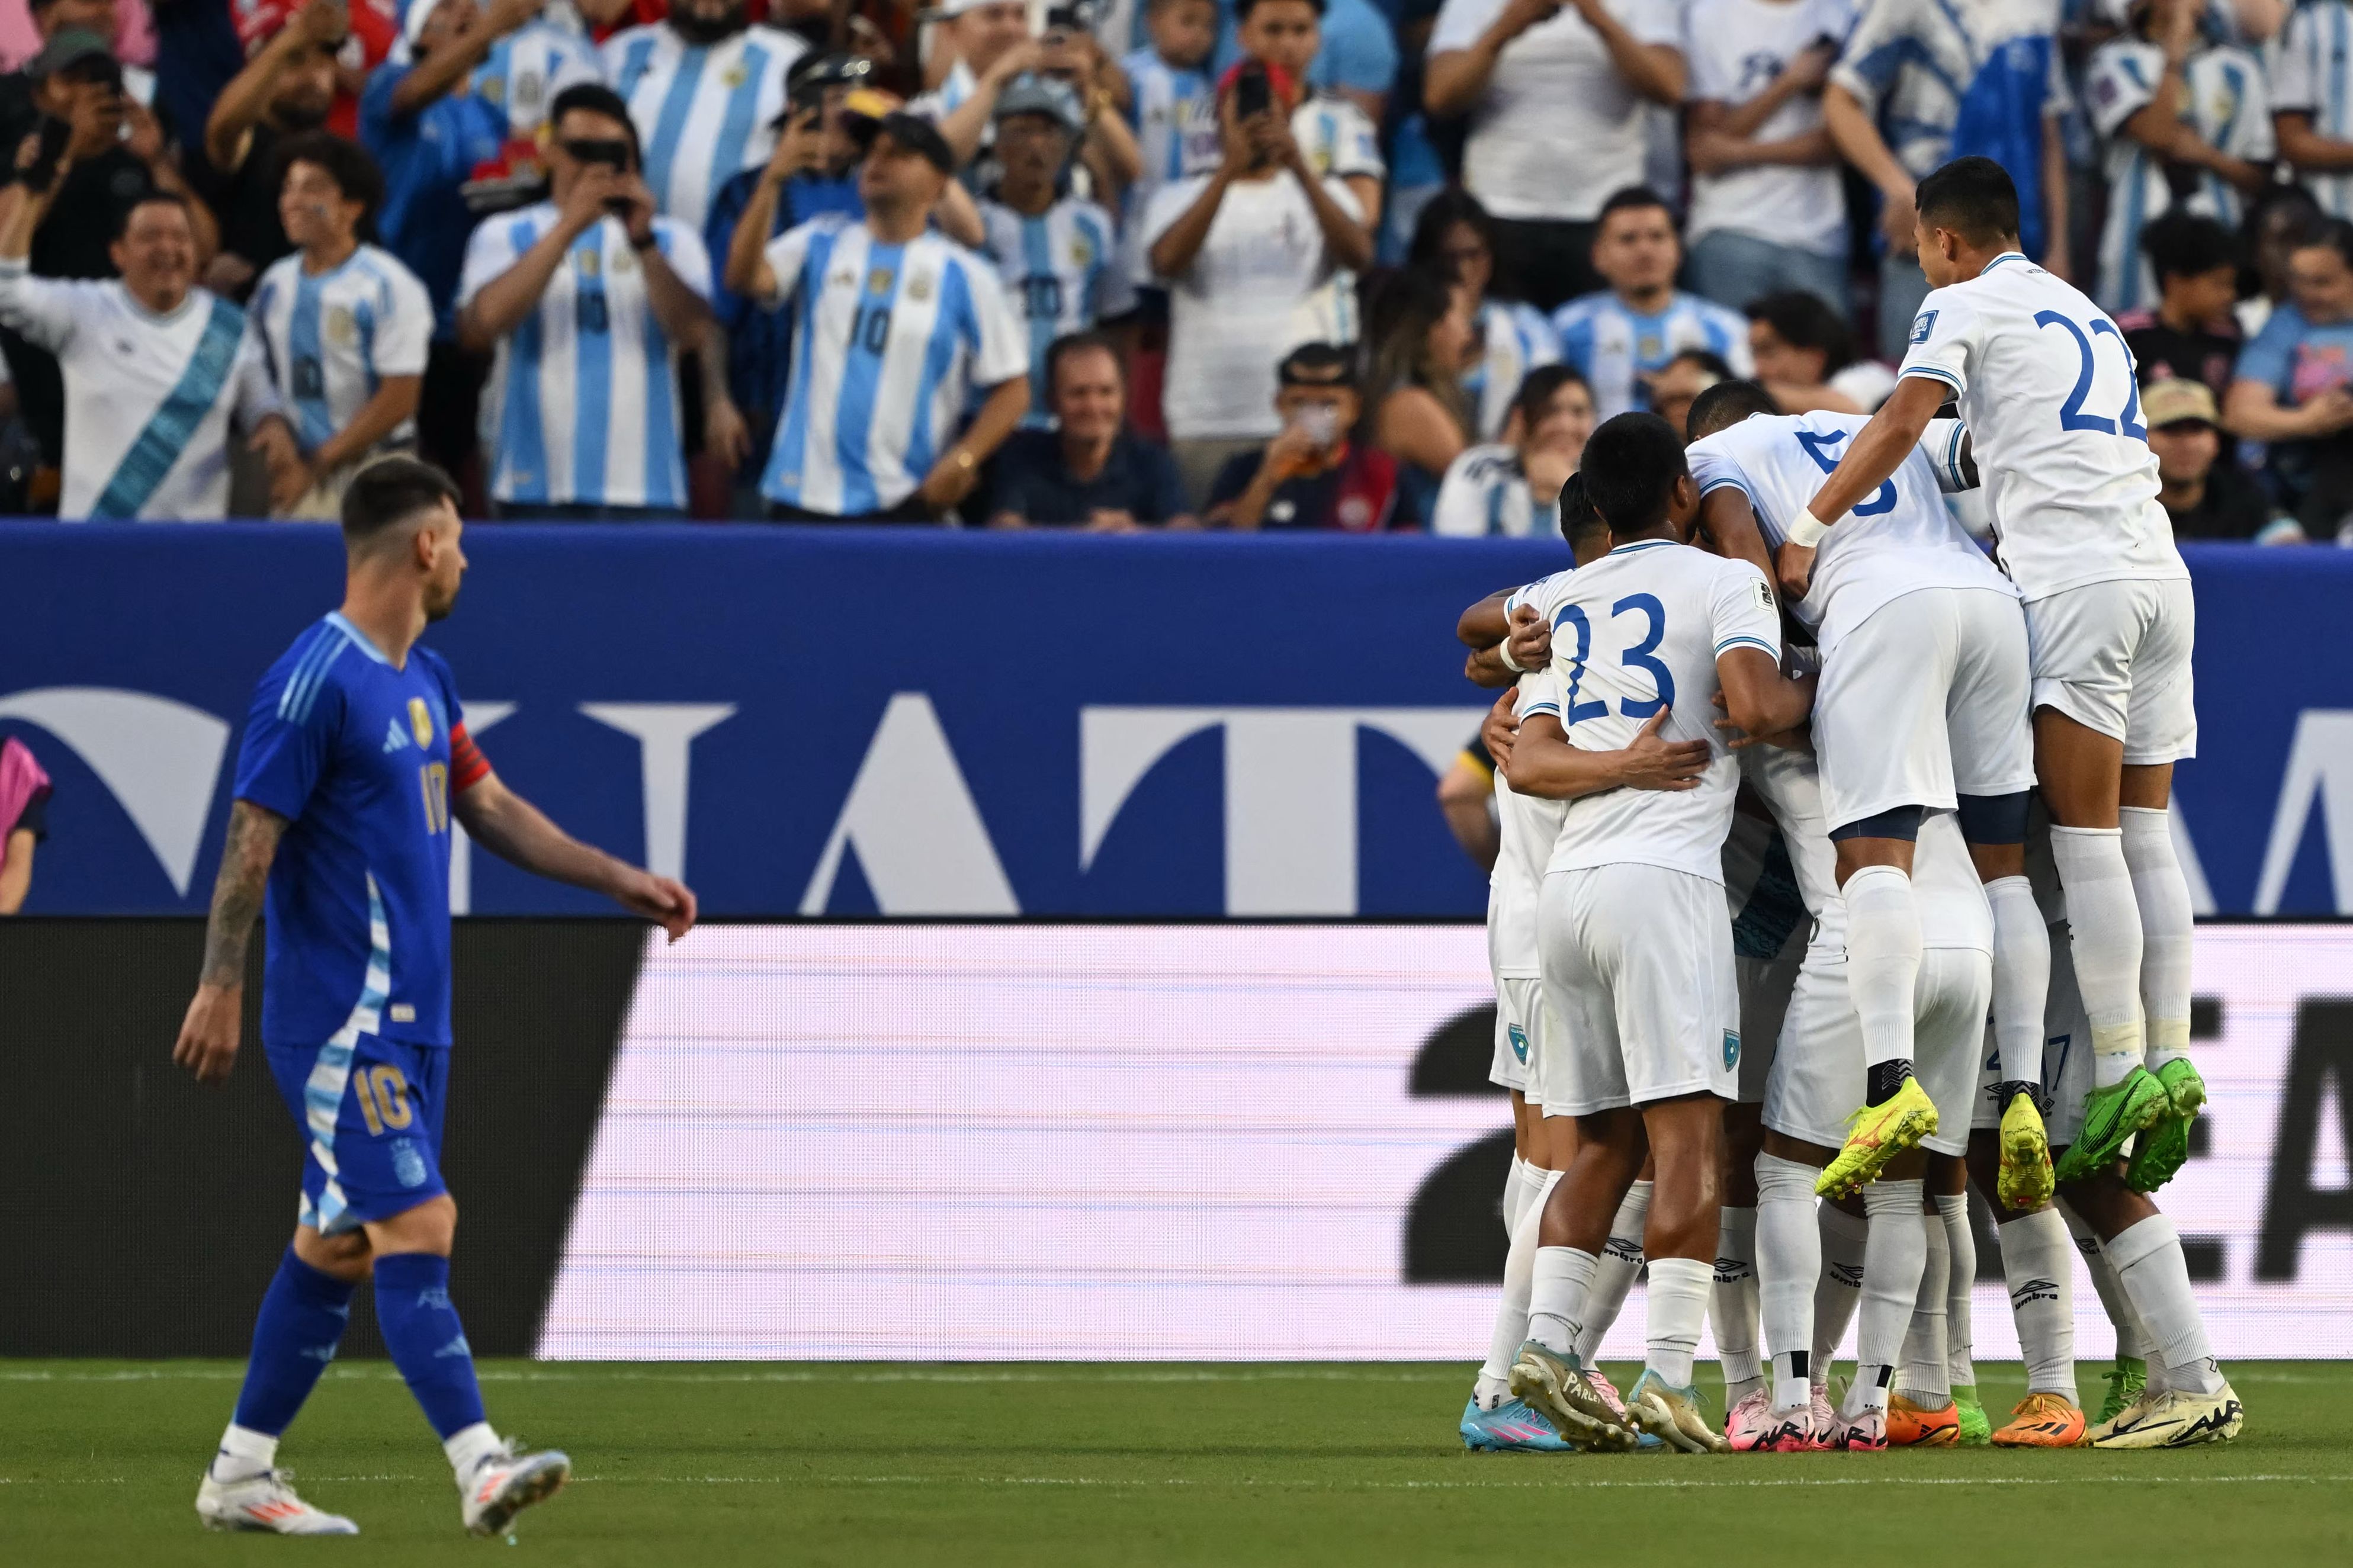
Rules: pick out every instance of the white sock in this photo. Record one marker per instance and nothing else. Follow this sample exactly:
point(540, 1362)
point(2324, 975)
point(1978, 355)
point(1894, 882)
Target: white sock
point(2042, 1279)
point(1558, 1297)
point(1495, 1384)
point(1678, 1307)
point(2166, 930)
point(1961, 1246)
point(1515, 1195)
point(2112, 1300)
point(469, 1447)
point(1883, 960)
point(2104, 934)
point(1838, 1289)
point(244, 1454)
point(1731, 1307)
point(2155, 1277)
point(1895, 1251)
point(1923, 1375)
point(1788, 1261)
point(1621, 1260)
point(2022, 977)
point(1535, 1182)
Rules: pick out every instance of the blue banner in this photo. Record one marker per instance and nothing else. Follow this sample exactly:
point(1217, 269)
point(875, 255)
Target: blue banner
point(921, 723)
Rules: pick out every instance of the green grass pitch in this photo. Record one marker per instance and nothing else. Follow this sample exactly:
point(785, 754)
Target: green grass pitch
point(709, 1466)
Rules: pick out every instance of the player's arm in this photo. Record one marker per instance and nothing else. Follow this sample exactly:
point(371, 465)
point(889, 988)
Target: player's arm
point(1760, 698)
point(1545, 764)
point(1870, 461)
point(1731, 523)
point(209, 1035)
point(518, 832)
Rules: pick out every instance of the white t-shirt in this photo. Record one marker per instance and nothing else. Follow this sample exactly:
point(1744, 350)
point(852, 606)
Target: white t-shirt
point(2047, 389)
point(1525, 828)
point(1485, 492)
point(1558, 126)
point(1639, 629)
point(1242, 304)
point(1901, 538)
point(149, 399)
point(1737, 49)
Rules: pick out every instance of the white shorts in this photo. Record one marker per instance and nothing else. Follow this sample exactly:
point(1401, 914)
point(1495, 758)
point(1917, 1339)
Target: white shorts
point(1638, 968)
point(1927, 698)
point(1818, 1078)
point(2067, 1076)
point(1519, 1008)
point(2114, 657)
point(1765, 985)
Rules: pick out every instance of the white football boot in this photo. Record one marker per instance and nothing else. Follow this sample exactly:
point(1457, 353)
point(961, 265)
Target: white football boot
point(265, 1502)
point(508, 1482)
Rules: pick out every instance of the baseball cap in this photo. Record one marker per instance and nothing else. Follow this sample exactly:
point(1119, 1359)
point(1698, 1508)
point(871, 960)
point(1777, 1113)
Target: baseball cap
point(918, 135)
point(1032, 94)
point(69, 47)
point(2177, 401)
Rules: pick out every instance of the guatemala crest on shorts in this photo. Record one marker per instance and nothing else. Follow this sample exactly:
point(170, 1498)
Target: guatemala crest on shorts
point(1731, 1048)
point(1519, 1043)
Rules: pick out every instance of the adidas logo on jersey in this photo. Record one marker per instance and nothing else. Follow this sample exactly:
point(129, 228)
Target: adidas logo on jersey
point(394, 737)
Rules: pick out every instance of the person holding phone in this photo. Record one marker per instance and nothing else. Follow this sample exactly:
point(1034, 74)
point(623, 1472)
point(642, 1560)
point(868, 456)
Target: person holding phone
point(1241, 248)
point(589, 299)
point(1312, 475)
point(704, 86)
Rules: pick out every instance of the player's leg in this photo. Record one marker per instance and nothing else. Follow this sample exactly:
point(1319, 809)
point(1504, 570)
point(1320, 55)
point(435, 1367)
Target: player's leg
point(303, 1316)
point(1992, 746)
point(1880, 734)
point(1687, 1135)
point(411, 1223)
point(2161, 729)
point(1586, 1080)
point(2195, 1403)
point(1765, 986)
point(2037, 1269)
point(1922, 1412)
point(1948, 1190)
point(1495, 1419)
point(2084, 640)
point(2128, 1375)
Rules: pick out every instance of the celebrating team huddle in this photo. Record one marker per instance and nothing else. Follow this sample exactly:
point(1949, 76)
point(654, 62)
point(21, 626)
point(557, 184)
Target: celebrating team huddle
point(1793, 944)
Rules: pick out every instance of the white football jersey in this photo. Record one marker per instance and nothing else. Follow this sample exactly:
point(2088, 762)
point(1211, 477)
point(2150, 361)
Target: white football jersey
point(1525, 827)
point(2047, 389)
point(1901, 539)
point(1636, 631)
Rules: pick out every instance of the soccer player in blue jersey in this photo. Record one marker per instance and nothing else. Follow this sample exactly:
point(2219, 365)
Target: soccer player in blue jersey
point(355, 762)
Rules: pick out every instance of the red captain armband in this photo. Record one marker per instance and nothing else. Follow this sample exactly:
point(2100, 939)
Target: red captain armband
point(467, 766)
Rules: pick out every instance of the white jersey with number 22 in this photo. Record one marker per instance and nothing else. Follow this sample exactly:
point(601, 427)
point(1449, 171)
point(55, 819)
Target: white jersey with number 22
point(2047, 389)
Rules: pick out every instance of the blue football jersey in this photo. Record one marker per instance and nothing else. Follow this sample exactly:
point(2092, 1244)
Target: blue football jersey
point(356, 754)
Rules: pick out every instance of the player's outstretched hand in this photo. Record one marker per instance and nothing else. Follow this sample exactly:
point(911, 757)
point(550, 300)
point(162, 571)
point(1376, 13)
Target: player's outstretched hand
point(1795, 566)
point(669, 904)
point(209, 1035)
point(1669, 765)
point(1531, 640)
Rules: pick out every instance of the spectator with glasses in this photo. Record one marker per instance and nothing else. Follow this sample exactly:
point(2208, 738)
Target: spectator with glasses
point(1454, 237)
point(588, 299)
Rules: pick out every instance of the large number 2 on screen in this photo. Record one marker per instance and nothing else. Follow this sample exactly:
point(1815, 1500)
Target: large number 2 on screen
point(1639, 657)
point(2070, 412)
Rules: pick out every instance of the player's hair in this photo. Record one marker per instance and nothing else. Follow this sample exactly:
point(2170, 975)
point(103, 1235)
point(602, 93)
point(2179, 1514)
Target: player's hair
point(1630, 468)
point(595, 97)
point(1242, 8)
point(346, 163)
point(2333, 233)
point(154, 198)
point(1629, 198)
point(1724, 404)
point(1540, 386)
point(1972, 196)
point(389, 493)
point(1708, 360)
point(1578, 520)
point(1804, 319)
point(1071, 344)
point(2185, 245)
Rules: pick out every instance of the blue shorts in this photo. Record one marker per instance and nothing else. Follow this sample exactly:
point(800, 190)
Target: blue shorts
point(372, 1111)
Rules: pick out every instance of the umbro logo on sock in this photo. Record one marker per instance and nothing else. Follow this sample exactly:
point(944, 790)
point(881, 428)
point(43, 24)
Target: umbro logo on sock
point(2033, 1291)
point(1848, 1274)
point(1623, 1249)
point(394, 737)
point(1733, 1270)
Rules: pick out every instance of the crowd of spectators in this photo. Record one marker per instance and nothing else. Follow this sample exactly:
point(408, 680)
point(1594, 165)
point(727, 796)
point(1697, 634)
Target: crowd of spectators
point(1353, 265)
